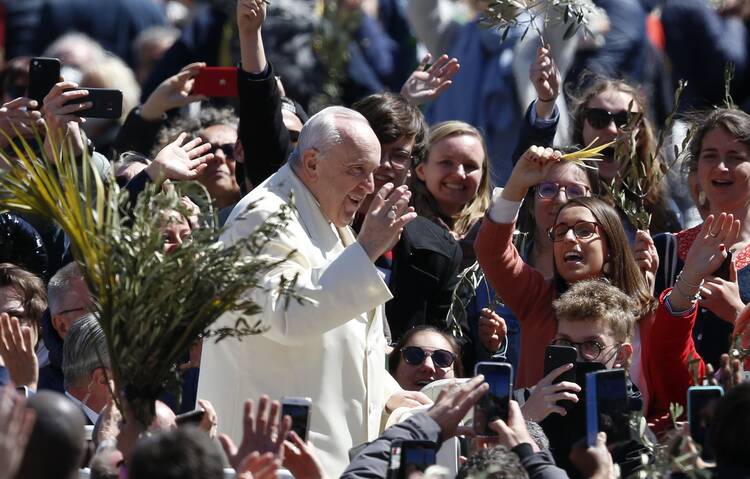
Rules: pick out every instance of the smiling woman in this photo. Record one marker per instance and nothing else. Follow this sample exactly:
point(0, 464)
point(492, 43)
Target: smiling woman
point(719, 160)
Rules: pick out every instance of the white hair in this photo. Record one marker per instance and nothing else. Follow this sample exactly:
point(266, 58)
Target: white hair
point(321, 132)
point(60, 284)
point(84, 349)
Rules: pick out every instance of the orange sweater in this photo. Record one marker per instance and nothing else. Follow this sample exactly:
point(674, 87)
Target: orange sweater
point(524, 290)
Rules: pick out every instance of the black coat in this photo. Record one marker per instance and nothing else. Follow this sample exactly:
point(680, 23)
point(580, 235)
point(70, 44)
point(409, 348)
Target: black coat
point(425, 272)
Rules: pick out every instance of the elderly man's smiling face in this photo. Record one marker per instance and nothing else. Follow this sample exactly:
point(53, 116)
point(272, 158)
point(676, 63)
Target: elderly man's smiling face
point(341, 177)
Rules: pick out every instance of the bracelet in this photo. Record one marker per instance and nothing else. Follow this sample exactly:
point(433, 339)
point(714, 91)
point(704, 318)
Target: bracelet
point(545, 101)
point(692, 299)
point(680, 278)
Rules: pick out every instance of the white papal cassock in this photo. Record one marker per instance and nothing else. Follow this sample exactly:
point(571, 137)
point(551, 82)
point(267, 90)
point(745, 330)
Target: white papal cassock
point(331, 349)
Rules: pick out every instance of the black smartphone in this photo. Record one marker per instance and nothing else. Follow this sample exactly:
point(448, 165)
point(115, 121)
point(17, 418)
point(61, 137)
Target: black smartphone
point(107, 103)
point(191, 417)
point(410, 457)
point(44, 73)
point(299, 410)
point(723, 270)
point(701, 401)
point(556, 356)
point(495, 404)
point(607, 406)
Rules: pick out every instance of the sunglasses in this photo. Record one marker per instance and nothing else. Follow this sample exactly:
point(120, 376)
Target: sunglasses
point(600, 118)
point(581, 230)
point(415, 356)
point(226, 148)
point(548, 190)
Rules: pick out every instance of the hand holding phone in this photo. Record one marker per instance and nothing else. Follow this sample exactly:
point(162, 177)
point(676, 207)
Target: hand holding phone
point(410, 457)
point(298, 408)
point(97, 103)
point(607, 406)
point(495, 403)
point(190, 418)
point(701, 401)
point(551, 395)
point(44, 73)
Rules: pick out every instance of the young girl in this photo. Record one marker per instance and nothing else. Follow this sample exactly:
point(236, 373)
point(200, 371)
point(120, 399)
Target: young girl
point(588, 242)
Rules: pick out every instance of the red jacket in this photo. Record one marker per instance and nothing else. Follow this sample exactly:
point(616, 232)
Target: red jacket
point(671, 347)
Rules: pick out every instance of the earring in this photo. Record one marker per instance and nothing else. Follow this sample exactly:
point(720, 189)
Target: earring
point(702, 198)
point(606, 267)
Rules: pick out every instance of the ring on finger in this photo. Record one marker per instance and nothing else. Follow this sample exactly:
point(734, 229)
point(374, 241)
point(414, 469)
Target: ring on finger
point(713, 235)
point(392, 213)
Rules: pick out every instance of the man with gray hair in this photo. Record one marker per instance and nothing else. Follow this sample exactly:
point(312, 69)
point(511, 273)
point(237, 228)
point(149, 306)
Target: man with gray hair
point(86, 367)
point(331, 347)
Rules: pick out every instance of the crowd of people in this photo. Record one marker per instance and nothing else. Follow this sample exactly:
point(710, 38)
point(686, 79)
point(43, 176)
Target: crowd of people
point(443, 218)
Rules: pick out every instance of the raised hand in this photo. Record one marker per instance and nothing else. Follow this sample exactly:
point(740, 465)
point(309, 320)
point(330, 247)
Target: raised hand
point(59, 117)
point(17, 350)
point(530, 170)
point(16, 423)
point(546, 79)
point(388, 214)
point(513, 432)
point(300, 458)
point(250, 15)
point(209, 421)
point(264, 433)
point(492, 330)
point(17, 117)
point(180, 162)
point(706, 254)
point(453, 403)
point(174, 92)
point(594, 462)
point(646, 256)
point(424, 86)
point(544, 397)
point(258, 466)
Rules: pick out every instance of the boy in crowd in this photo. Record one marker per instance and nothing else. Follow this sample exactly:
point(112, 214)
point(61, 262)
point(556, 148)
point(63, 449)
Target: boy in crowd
point(598, 320)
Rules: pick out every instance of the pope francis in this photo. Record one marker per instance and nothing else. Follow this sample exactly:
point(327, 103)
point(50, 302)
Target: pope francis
point(331, 347)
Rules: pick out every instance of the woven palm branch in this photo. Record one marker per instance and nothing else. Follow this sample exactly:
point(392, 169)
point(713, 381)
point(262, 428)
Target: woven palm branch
point(152, 306)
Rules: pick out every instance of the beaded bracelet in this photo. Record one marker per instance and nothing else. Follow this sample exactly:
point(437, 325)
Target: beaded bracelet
point(692, 299)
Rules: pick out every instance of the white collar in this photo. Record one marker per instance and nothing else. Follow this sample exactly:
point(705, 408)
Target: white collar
point(90, 413)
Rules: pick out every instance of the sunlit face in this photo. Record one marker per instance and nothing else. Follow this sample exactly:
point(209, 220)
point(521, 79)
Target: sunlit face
point(613, 101)
point(580, 331)
point(218, 177)
point(724, 171)
point(545, 210)
point(452, 171)
point(11, 302)
point(575, 258)
point(415, 377)
point(75, 302)
point(342, 177)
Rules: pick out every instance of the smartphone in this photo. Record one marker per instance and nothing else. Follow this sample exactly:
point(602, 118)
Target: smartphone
point(216, 82)
point(701, 401)
point(723, 270)
point(299, 409)
point(107, 103)
point(556, 356)
point(495, 404)
point(44, 73)
point(410, 457)
point(607, 406)
point(191, 417)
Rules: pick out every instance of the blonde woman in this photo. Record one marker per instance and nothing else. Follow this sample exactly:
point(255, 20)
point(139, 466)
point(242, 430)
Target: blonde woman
point(451, 185)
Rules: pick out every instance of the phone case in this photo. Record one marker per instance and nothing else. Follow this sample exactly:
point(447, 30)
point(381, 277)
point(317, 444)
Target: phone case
point(299, 408)
point(216, 82)
point(107, 103)
point(490, 406)
point(44, 73)
point(556, 356)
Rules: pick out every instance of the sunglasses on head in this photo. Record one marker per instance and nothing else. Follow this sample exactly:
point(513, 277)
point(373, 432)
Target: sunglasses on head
point(600, 118)
point(415, 356)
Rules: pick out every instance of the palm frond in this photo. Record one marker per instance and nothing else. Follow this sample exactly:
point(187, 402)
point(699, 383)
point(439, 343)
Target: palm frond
point(152, 306)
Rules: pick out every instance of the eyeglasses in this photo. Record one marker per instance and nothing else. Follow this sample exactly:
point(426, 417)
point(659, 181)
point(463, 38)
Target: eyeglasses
point(548, 190)
point(399, 159)
point(581, 230)
point(588, 350)
point(601, 118)
point(226, 148)
point(415, 356)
